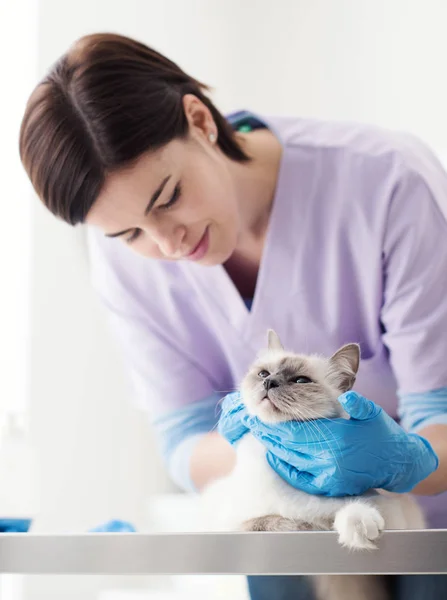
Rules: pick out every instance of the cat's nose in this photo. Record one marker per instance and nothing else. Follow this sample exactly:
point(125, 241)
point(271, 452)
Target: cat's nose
point(270, 383)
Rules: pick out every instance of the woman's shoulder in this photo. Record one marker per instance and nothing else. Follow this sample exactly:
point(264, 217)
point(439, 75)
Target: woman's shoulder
point(348, 138)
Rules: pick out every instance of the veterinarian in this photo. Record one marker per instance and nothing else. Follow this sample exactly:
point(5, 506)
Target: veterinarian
point(206, 230)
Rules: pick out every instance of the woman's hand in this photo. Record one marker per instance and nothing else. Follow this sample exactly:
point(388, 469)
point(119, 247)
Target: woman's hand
point(337, 457)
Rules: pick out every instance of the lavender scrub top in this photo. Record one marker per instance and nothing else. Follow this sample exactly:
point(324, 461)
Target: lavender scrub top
point(356, 251)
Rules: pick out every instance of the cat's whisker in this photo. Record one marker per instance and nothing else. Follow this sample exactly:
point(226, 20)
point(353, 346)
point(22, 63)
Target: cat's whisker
point(311, 427)
point(316, 416)
point(219, 402)
point(214, 428)
point(303, 417)
point(318, 427)
point(320, 418)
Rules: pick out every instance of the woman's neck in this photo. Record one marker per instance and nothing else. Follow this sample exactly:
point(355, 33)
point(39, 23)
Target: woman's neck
point(255, 182)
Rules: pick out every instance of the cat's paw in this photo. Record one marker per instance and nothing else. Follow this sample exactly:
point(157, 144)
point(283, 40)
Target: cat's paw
point(358, 525)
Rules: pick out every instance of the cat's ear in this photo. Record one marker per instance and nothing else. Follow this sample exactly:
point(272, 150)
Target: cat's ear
point(274, 343)
point(343, 366)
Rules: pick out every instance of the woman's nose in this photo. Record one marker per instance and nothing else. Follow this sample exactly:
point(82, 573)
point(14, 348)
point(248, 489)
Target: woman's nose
point(169, 240)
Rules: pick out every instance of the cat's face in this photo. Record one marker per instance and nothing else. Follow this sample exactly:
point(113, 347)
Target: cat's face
point(283, 386)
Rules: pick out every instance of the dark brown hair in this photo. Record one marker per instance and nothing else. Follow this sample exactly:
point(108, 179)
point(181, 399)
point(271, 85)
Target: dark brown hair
point(107, 101)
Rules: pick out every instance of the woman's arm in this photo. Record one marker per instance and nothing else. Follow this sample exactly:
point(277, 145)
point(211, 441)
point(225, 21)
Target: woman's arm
point(192, 449)
point(437, 481)
point(426, 414)
point(414, 312)
point(211, 458)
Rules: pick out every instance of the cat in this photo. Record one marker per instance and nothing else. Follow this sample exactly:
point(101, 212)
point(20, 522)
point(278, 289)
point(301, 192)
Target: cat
point(283, 386)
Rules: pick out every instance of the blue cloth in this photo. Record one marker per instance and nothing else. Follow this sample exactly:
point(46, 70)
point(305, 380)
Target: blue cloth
point(342, 457)
point(115, 526)
point(297, 587)
point(15, 525)
point(23, 525)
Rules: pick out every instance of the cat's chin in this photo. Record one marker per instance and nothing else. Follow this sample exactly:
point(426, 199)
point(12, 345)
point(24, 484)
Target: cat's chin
point(266, 411)
point(266, 403)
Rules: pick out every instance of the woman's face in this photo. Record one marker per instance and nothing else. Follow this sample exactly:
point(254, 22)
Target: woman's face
point(178, 203)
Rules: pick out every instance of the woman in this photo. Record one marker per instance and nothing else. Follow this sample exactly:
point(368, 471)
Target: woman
point(205, 231)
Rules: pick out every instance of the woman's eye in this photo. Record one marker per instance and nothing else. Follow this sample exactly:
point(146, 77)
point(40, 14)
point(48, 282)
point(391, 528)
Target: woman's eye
point(133, 236)
point(263, 374)
point(175, 196)
point(302, 379)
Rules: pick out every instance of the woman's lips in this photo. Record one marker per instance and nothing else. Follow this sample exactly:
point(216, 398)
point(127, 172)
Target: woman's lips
point(201, 249)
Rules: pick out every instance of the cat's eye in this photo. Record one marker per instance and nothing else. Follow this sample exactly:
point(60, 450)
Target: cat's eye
point(263, 374)
point(302, 379)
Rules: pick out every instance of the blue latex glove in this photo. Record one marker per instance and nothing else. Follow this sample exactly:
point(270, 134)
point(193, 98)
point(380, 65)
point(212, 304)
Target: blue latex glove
point(337, 457)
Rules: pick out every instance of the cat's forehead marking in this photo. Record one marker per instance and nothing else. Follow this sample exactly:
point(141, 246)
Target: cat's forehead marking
point(291, 366)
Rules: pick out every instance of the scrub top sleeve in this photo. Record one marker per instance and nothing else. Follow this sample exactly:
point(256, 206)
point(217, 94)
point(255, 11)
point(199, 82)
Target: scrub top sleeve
point(181, 430)
point(414, 310)
point(170, 389)
point(165, 375)
point(417, 411)
point(163, 378)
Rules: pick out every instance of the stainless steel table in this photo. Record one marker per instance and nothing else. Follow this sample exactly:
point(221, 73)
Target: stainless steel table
point(225, 553)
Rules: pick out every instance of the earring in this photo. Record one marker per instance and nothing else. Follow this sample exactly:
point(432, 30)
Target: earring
point(212, 138)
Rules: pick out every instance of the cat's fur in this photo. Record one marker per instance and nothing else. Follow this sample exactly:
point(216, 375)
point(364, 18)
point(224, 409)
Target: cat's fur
point(254, 498)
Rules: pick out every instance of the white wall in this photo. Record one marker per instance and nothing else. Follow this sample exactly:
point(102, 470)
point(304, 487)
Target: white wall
point(15, 207)
point(379, 61)
point(17, 488)
point(374, 60)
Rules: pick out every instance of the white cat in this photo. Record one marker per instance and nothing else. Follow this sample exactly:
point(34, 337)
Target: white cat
point(283, 386)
